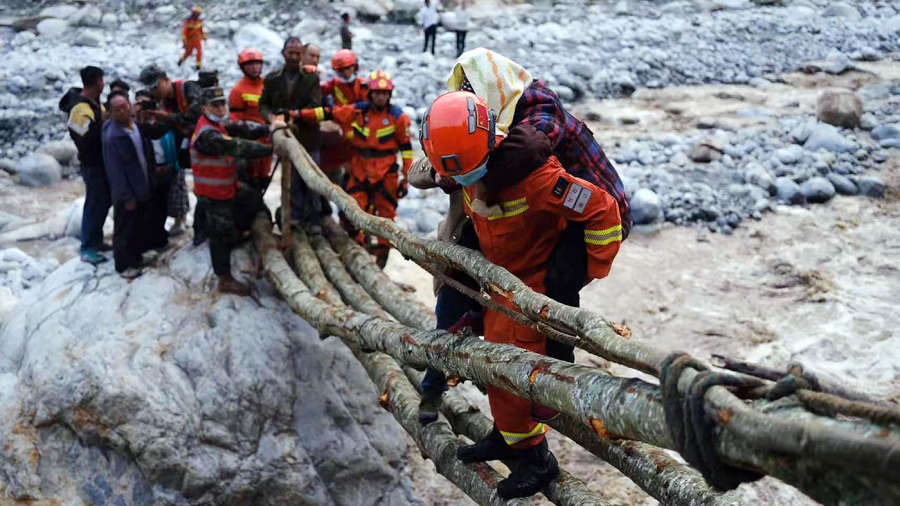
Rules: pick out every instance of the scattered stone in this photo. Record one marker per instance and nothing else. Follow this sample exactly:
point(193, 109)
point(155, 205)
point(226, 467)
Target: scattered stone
point(258, 36)
point(867, 121)
point(879, 157)
point(705, 152)
point(109, 20)
point(839, 108)
point(837, 63)
point(646, 207)
point(790, 155)
point(789, 191)
point(827, 137)
point(52, 28)
point(89, 15)
point(882, 132)
point(817, 190)
point(621, 9)
point(841, 10)
point(842, 184)
point(706, 123)
point(89, 38)
point(39, 169)
point(870, 186)
point(629, 120)
point(59, 11)
point(756, 175)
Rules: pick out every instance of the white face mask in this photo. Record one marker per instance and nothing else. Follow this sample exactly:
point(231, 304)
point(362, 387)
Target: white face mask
point(347, 80)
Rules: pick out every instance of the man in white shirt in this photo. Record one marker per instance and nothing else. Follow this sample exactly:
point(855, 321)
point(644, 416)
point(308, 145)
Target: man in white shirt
point(428, 17)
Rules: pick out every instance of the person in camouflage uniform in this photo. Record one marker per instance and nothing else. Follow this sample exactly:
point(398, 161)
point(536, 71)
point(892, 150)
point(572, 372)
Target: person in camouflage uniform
point(230, 206)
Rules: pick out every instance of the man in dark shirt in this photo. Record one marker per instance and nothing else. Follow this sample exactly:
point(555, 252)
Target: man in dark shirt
point(346, 34)
point(85, 118)
point(290, 89)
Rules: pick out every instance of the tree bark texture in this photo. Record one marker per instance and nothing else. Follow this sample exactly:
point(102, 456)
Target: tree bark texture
point(826, 458)
point(437, 441)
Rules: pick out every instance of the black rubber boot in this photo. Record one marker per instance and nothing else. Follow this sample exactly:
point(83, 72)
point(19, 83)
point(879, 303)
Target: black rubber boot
point(492, 447)
point(536, 469)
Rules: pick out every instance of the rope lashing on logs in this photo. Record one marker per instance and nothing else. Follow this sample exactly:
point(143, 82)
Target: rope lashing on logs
point(692, 429)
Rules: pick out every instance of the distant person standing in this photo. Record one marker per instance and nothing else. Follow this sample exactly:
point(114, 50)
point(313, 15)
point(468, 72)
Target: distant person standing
point(462, 27)
point(192, 36)
point(86, 115)
point(346, 34)
point(428, 18)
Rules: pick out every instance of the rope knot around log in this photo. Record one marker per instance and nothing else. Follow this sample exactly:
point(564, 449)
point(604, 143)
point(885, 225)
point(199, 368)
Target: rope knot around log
point(797, 378)
point(693, 431)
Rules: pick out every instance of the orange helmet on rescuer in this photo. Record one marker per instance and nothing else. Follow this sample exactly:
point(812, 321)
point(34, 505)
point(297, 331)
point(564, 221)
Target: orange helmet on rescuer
point(458, 135)
point(343, 59)
point(248, 55)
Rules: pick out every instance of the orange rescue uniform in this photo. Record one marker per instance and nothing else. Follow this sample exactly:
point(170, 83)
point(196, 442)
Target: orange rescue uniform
point(338, 152)
point(192, 38)
point(243, 102)
point(518, 228)
point(378, 136)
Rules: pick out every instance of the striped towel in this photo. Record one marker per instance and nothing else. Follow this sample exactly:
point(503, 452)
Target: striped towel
point(494, 78)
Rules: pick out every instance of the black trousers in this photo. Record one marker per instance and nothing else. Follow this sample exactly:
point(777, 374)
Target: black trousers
point(460, 42)
point(97, 201)
point(430, 34)
point(566, 272)
point(154, 214)
point(128, 242)
point(226, 220)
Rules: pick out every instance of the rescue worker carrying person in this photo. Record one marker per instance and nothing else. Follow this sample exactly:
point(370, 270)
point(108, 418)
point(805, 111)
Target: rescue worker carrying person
point(343, 89)
point(518, 99)
point(230, 206)
point(243, 102)
point(192, 36)
point(520, 199)
point(380, 132)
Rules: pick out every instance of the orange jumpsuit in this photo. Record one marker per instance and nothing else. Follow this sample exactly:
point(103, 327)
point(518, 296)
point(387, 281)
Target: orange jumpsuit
point(243, 102)
point(340, 151)
point(523, 224)
point(192, 38)
point(374, 174)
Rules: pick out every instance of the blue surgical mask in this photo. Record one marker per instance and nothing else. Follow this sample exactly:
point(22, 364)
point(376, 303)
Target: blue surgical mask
point(217, 119)
point(472, 177)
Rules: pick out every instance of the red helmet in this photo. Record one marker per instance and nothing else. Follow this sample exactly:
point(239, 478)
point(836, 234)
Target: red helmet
point(343, 59)
point(457, 134)
point(249, 55)
point(380, 81)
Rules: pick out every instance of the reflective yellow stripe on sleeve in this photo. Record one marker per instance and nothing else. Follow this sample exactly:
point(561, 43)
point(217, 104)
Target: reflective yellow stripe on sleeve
point(384, 132)
point(512, 438)
point(604, 236)
point(250, 97)
point(320, 114)
point(406, 154)
point(511, 208)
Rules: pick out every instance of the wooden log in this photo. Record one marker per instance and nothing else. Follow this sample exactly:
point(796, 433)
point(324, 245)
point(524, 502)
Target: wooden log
point(437, 441)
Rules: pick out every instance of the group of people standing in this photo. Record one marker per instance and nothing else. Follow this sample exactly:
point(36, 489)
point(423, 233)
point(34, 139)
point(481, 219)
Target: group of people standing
point(457, 21)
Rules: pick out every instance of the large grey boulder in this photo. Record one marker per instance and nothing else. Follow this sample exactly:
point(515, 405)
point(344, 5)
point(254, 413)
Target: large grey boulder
point(38, 169)
point(62, 150)
point(260, 37)
point(870, 186)
point(839, 108)
point(89, 38)
point(646, 207)
point(841, 10)
point(757, 175)
point(161, 391)
point(842, 184)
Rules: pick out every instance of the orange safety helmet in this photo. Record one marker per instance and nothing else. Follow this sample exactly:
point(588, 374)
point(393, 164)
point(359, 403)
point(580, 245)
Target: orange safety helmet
point(380, 81)
point(343, 59)
point(250, 54)
point(457, 134)
point(196, 9)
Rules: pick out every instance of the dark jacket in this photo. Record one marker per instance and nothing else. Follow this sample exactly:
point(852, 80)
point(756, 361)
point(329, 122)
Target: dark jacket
point(306, 93)
point(84, 126)
point(185, 120)
point(127, 180)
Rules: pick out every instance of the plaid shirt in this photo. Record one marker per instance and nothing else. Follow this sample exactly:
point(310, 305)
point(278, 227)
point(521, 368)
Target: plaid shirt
point(573, 143)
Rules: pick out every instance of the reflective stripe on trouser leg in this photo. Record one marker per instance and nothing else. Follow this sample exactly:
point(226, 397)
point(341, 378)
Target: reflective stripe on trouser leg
point(512, 414)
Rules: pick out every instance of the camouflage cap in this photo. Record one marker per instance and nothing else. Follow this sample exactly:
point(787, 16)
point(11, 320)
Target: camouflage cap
point(213, 94)
point(151, 75)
